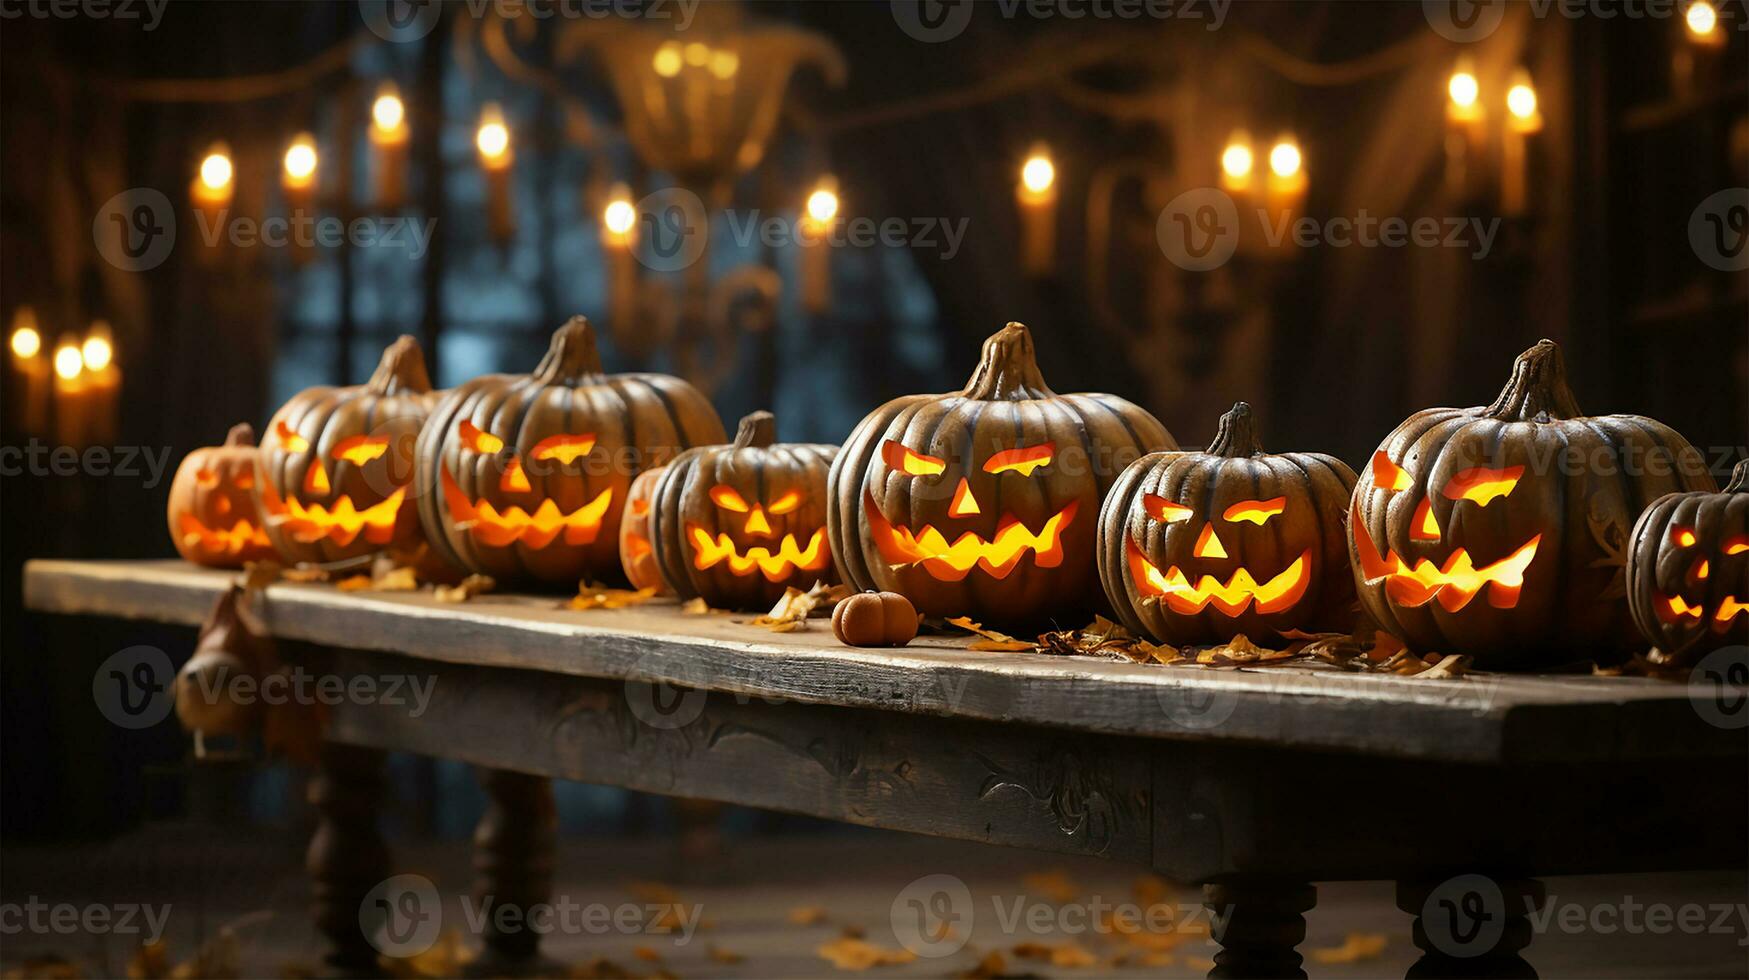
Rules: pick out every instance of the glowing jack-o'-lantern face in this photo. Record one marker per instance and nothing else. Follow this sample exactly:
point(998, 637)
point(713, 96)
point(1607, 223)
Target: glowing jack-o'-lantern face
point(1688, 570)
point(739, 524)
point(525, 477)
point(1197, 547)
point(338, 463)
point(212, 513)
point(1500, 532)
point(981, 502)
point(637, 552)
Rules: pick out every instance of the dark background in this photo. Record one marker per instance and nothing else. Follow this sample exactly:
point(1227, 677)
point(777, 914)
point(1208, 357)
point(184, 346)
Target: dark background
point(1333, 347)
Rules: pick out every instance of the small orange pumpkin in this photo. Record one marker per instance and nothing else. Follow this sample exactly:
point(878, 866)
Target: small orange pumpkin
point(875, 619)
point(637, 554)
point(212, 513)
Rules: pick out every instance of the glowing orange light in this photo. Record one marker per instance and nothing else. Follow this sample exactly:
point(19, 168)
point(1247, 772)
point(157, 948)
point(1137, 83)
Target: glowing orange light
point(316, 479)
point(775, 566)
point(965, 503)
point(1736, 544)
point(1454, 585)
point(220, 541)
point(1482, 485)
point(929, 549)
point(359, 450)
point(757, 523)
point(726, 498)
point(1729, 609)
point(480, 442)
point(1231, 597)
point(1163, 510)
point(514, 479)
point(1677, 608)
point(565, 449)
point(294, 443)
point(1387, 475)
point(637, 546)
point(1703, 569)
point(515, 525)
point(640, 507)
point(1208, 544)
point(1684, 537)
point(1425, 527)
point(1255, 511)
point(905, 461)
point(1023, 460)
point(786, 503)
point(244, 481)
point(313, 522)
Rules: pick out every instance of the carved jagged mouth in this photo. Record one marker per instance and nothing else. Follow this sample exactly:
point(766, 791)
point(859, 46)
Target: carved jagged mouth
point(1231, 597)
point(536, 530)
point(775, 566)
point(998, 556)
point(1675, 609)
point(1454, 585)
point(309, 523)
point(216, 541)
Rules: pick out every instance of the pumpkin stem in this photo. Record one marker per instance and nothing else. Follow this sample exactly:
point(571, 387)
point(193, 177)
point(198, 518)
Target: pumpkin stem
point(572, 355)
point(758, 430)
point(241, 435)
point(1739, 479)
point(1236, 438)
point(1008, 369)
point(402, 369)
point(1538, 390)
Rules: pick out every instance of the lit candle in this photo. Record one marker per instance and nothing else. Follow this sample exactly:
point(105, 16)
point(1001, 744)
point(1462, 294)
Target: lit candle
point(1523, 119)
point(1702, 20)
point(1237, 164)
point(388, 140)
point(299, 178)
point(1693, 66)
point(619, 236)
point(70, 407)
point(1286, 190)
point(818, 216)
point(1037, 195)
point(1464, 118)
point(493, 141)
point(31, 367)
point(214, 183)
point(102, 383)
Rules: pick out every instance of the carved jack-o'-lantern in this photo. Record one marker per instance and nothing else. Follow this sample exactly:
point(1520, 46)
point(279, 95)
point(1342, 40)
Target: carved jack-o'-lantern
point(524, 477)
point(1501, 532)
point(338, 464)
point(739, 524)
point(1200, 547)
point(637, 552)
point(1688, 570)
point(212, 513)
point(982, 502)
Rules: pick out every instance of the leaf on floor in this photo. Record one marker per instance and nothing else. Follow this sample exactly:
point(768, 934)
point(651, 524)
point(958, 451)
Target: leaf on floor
point(1107, 640)
point(718, 954)
point(647, 954)
point(592, 596)
point(993, 641)
point(466, 589)
point(793, 610)
point(807, 915)
point(1054, 884)
point(1357, 947)
point(848, 953)
point(696, 607)
point(1068, 954)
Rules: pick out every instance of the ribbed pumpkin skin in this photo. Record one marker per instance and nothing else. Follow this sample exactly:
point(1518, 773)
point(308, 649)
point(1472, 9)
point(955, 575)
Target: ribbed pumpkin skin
point(214, 489)
point(1316, 489)
point(1584, 482)
point(637, 551)
point(1661, 567)
point(1005, 406)
point(760, 471)
point(392, 405)
point(638, 421)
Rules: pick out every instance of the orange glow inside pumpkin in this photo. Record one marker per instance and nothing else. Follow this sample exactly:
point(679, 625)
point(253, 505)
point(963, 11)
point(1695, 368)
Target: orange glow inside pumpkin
point(1729, 609)
point(478, 441)
point(790, 556)
point(786, 503)
point(929, 549)
point(293, 442)
point(1163, 510)
point(1425, 527)
point(1737, 544)
point(514, 479)
point(359, 450)
point(313, 522)
point(1023, 460)
point(218, 541)
point(1387, 475)
point(1481, 485)
point(316, 479)
point(1454, 584)
point(1231, 597)
point(564, 448)
point(1208, 544)
point(914, 464)
point(1255, 511)
point(1683, 537)
point(726, 498)
point(206, 479)
point(964, 503)
point(498, 529)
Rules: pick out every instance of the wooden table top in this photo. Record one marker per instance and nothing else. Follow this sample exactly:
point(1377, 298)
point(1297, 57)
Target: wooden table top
point(1481, 718)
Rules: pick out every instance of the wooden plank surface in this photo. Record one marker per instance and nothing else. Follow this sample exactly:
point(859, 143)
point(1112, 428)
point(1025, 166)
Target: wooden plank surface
point(1481, 718)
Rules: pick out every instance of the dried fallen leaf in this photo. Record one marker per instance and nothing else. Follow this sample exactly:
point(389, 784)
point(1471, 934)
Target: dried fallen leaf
point(718, 954)
point(401, 579)
point(1054, 885)
point(992, 641)
point(1357, 947)
point(807, 915)
point(306, 573)
point(469, 587)
point(792, 611)
point(354, 583)
point(846, 953)
point(696, 607)
point(1454, 666)
point(590, 596)
point(647, 954)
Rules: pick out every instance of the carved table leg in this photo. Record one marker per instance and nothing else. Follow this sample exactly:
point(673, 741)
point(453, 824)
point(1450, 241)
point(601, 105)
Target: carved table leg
point(347, 856)
point(1258, 922)
point(1471, 925)
point(513, 864)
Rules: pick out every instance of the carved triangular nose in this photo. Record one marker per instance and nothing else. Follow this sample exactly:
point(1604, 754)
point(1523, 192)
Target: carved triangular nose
point(757, 523)
point(965, 502)
point(1208, 544)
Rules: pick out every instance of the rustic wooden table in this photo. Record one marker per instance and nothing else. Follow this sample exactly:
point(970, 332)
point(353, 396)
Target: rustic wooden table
point(1255, 783)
